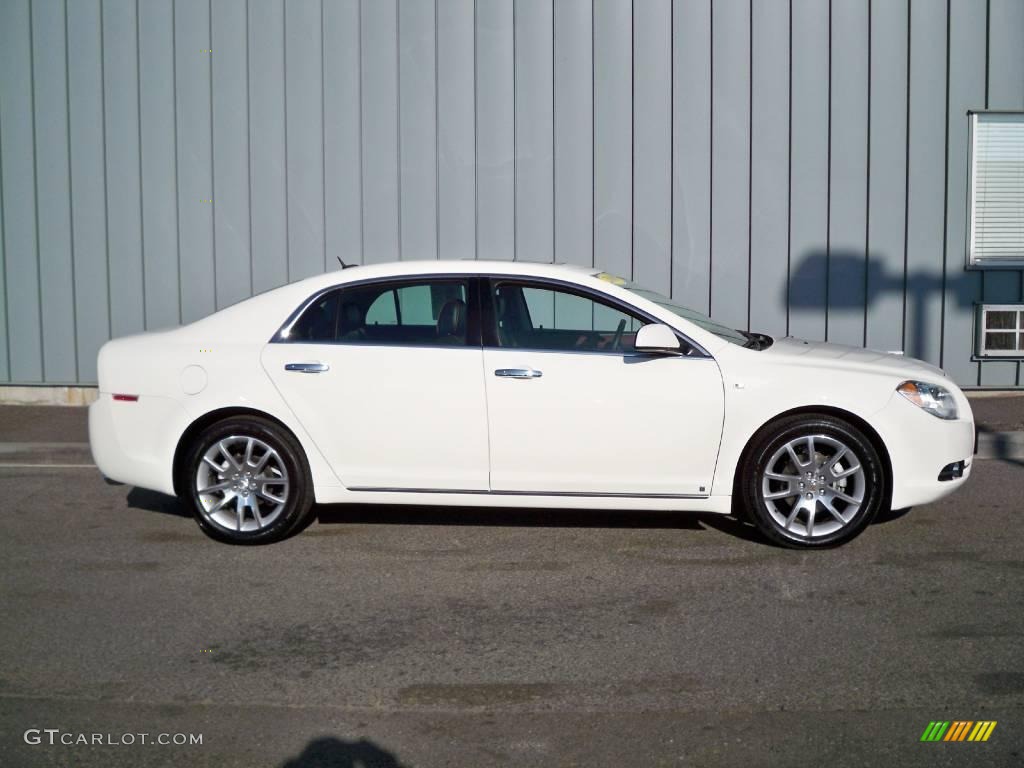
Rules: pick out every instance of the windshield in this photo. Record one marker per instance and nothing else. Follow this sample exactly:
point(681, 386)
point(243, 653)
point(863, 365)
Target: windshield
point(697, 318)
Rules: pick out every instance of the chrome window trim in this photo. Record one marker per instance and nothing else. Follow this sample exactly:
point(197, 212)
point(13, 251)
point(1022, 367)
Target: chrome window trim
point(378, 345)
point(280, 336)
point(632, 354)
point(605, 298)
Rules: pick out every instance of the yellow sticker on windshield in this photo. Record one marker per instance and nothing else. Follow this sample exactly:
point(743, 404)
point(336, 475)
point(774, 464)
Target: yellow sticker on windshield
point(613, 279)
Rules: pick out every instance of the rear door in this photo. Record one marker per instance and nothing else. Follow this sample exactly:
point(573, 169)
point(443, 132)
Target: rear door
point(386, 377)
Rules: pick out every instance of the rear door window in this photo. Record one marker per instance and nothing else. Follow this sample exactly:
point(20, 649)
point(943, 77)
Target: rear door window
point(422, 312)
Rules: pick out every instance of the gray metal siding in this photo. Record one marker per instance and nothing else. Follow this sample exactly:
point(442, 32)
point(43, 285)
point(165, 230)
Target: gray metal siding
point(887, 174)
point(691, 154)
point(157, 165)
point(613, 137)
point(967, 87)
point(573, 127)
point(793, 166)
point(730, 166)
point(769, 165)
point(496, 129)
point(456, 140)
point(926, 173)
point(21, 227)
point(1005, 91)
point(808, 172)
point(652, 142)
point(848, 171)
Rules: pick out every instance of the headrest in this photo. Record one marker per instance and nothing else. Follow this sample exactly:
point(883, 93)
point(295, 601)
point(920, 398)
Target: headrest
point(451, 321)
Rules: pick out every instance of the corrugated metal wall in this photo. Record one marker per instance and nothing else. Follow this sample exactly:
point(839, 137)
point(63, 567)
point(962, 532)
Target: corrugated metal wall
point(791, 167)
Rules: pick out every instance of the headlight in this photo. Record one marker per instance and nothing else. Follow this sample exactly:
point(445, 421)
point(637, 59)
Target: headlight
point(933, 398)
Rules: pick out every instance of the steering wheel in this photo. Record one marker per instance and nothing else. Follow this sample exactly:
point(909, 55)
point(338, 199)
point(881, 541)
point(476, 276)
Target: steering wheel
point(616, 344)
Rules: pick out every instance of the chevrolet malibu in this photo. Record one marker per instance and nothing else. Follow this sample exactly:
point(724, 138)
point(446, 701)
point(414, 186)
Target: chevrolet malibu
point(517, 385)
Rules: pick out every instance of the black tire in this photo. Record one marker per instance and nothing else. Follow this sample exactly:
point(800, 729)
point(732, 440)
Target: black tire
point(296, 509)
point(773, 438)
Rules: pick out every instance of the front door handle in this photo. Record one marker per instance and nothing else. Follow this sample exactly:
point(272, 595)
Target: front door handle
point(518, 373)
point(307, 367)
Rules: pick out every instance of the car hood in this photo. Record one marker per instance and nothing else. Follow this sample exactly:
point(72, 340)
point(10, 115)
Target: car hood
point(819, 354)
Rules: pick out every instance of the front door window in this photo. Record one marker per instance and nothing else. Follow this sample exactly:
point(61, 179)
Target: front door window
point(552, 319)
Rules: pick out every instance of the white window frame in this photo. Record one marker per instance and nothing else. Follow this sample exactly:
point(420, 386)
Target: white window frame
point(972, 259)
point(1017, 330)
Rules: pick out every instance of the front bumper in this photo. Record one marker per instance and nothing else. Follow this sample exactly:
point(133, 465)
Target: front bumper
point(920, 447)
point(134, 442)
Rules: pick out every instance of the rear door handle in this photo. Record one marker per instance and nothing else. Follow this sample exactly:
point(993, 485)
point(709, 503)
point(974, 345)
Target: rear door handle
point(518, 373)
point(307, 367)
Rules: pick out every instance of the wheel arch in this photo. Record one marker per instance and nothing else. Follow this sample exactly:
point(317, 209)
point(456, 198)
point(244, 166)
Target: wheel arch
point(823, 410)
point(212, 417)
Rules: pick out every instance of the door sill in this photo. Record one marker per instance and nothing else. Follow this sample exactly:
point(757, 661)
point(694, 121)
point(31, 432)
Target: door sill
point(577, 494)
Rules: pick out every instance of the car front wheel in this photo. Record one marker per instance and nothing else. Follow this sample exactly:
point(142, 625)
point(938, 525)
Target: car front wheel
point(812, 481)
point(247, 482)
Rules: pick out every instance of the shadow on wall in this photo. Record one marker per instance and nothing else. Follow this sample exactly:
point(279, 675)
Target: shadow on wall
point(329, 752)
point(862, 288)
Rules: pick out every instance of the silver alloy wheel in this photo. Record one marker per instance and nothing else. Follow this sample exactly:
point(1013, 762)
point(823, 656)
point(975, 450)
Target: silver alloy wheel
point(242, 484)
point(813, 486)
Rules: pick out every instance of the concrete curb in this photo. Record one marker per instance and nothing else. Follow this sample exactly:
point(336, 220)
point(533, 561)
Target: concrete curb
point(1000, 445)
point(17, 395)
point(991, 445)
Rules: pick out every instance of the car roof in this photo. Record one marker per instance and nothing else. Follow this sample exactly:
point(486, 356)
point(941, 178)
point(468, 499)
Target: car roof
point(412, 268)
point(458, 266)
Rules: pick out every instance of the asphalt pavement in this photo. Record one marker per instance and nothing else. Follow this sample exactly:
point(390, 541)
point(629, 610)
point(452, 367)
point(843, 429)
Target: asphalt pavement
point(430, 637)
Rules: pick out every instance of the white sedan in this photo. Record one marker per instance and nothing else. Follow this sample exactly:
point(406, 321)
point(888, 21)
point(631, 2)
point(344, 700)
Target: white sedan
point(513, 384)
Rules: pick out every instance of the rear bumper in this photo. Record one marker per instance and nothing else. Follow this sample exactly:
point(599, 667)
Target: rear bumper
point(920, 446)
point(133, 443)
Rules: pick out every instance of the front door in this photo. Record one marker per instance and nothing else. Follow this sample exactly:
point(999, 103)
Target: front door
point(386, 378)
point(572, 408)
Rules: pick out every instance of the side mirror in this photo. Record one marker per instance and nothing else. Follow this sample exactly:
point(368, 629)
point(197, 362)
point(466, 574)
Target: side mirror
point(657, 339)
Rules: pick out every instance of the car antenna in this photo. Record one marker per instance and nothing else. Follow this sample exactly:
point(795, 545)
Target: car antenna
point(343, 264)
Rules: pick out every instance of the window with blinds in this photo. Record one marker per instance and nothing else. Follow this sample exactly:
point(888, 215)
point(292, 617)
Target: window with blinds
point(997, 188)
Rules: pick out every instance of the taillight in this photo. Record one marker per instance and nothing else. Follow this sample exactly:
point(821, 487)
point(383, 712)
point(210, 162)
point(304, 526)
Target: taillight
point(127, 398)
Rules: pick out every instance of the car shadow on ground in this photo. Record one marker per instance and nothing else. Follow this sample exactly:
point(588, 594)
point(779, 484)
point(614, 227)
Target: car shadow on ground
point(151, 501)
point(515, 517)
point(889, 515)
point(507, 517)
point(521, 517)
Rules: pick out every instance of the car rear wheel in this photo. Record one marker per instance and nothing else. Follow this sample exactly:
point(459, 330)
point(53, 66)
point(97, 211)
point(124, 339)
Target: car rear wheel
point(248, 482)
point(812, 481)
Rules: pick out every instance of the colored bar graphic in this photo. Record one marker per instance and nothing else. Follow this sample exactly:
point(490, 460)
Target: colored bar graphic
point(958, 730)
point(985, 730)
